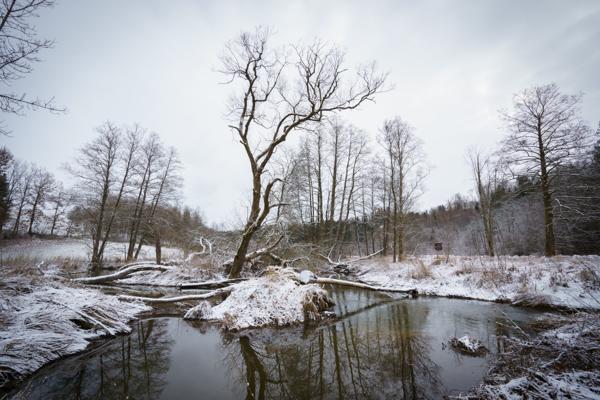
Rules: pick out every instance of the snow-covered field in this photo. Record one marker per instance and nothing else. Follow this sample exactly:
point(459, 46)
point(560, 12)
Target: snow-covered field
point(77, 249)
point(562, 281)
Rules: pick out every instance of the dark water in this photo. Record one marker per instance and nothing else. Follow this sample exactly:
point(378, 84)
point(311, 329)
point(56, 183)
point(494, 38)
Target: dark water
point(380, 348)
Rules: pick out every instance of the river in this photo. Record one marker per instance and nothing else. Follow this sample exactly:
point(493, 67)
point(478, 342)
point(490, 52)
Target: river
point(377, 347)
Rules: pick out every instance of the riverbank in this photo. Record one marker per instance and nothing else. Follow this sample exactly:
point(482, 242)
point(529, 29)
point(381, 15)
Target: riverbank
point(571, 282)
point(44, 318)
point(560, 362)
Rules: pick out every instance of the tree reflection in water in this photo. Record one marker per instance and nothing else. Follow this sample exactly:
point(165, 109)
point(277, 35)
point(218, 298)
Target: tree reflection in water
point(132, 366)
point(379, 353)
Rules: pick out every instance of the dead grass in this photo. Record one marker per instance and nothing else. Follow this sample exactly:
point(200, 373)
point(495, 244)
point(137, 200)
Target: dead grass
point(420, 270)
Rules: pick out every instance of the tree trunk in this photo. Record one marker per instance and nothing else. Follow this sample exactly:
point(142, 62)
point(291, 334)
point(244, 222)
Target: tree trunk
point(158, 248)
point(32, 218)
point(54, 220)
point(550, 241)
point(240, 256)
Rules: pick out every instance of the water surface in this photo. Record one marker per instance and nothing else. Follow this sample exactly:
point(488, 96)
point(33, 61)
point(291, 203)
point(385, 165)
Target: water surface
point(378, 348)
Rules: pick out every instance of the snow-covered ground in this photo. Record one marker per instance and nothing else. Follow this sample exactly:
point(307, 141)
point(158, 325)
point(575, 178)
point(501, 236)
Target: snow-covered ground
point(48, 249)
point(45, 318)
point(563, 281)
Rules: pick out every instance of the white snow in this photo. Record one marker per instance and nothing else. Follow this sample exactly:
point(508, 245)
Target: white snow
point(470, 344)
point(275, 299)
point(43, 321)
point(575, 385)
point(565, 281)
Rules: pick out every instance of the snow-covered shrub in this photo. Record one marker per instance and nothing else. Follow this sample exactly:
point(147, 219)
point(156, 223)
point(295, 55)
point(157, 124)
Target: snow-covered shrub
point(276, 299)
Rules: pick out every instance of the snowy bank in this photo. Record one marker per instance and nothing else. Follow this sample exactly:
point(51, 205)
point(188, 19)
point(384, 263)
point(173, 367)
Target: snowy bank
point(561, 362)
point(561, 281)
point(41, 321)
point(275, 299)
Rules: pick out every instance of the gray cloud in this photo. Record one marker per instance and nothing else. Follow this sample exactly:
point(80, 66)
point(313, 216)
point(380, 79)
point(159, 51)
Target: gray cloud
point(454, 64)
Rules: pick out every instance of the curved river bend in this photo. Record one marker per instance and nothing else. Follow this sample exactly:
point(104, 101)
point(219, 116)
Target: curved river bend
point(378, 348)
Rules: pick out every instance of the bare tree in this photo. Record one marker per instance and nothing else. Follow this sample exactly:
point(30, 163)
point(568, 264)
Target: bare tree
point(545, 132)
point(487, 180)
point(406, 169)
point(6, 163)
point(19, 49)
point(42, 183)
point(96, 171)
point(59, 201)
point(149, 169)
point(278, 95)
point(20, 191)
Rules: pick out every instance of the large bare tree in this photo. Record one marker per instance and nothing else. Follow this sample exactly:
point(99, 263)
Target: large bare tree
point(279, 92)
point(545, 132)
point(19, 50)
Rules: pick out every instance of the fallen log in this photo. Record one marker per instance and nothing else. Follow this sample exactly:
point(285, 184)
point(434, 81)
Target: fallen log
point(121, 274)
point(341, 282)
point(177, 299)
point(210, 284)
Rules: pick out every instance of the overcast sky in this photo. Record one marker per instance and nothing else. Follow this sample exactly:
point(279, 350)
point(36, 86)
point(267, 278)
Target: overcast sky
point(454, 64)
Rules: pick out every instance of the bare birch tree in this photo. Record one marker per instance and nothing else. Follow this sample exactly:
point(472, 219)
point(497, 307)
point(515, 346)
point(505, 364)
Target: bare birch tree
point(280, 92)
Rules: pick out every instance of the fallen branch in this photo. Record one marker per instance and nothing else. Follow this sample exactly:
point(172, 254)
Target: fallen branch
point(341, 282)
point(210, 284)
point(122, 273)
point(177, 299)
